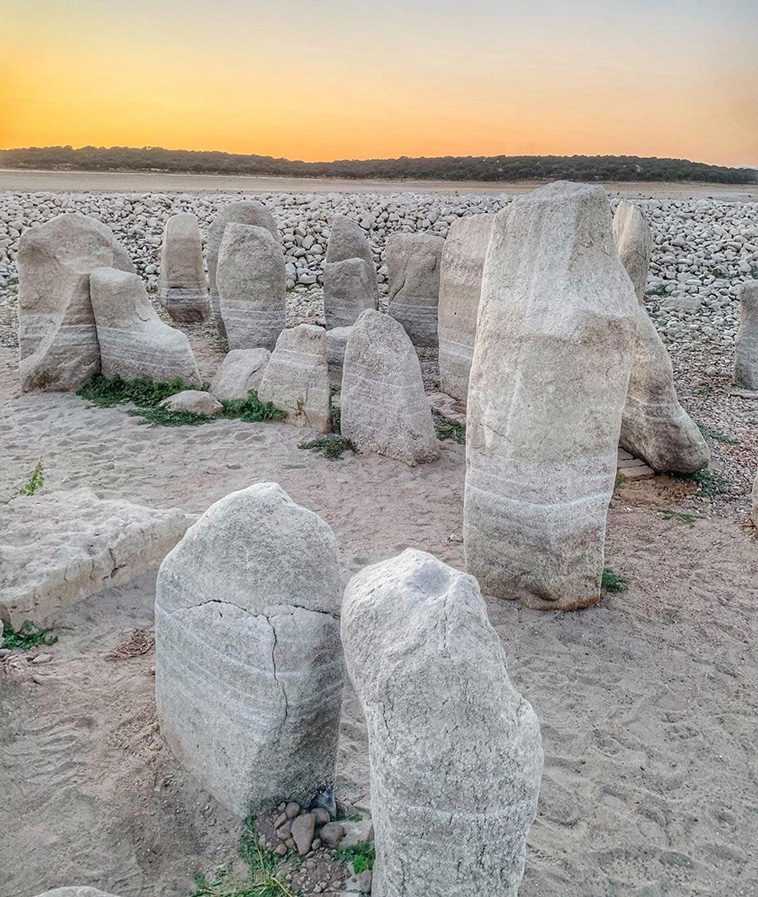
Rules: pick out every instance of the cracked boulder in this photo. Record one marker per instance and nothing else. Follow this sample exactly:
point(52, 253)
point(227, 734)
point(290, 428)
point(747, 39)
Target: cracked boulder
point(455, 751)
point(413, 261)
point(350, 284)
point(183, 290)
point(249, 668)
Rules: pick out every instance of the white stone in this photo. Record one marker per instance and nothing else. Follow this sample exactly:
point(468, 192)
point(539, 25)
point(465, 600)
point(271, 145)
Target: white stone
point(335, 345)
point(193, 401)
point(183, 290)
point(746, 344)
point(350, 284)
point(455, 751)
point(249, 668)
point(241, 371)
point(413, 261)
point(634, 242)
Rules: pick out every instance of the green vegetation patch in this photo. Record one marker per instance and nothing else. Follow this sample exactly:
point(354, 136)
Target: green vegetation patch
point(680, 516)
point(333, 446)
point(27, 636)
point(614, 583)
point(33, 484)
point(716, 436)
point(448, 429)
point(142, 392)
point(709, 484)
point(361, 855)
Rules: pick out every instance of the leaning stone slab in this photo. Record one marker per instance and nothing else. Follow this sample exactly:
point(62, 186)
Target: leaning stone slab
point(250, 280)
point(350, 284)
point(58, 548)
point(58, 347)
point(455, 751)
point(746, 344)
point(634, 241)
point(249, 668)
point(183, 290)
point(240, 371)
point(134, 342)
point(245, 212)
point(543, 427)
point(383, 405)
point(413, 261)
point(461, 272)
point(297, 378)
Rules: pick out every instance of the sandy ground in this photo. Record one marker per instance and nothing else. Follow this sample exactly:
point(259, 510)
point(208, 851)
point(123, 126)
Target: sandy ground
point(149, 182)
point(648, 703)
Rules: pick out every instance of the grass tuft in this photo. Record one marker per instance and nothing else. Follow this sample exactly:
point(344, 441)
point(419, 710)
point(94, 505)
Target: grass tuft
point(27, 636)
point(361, 855)
point(35, 482)
point(331, 447)
point(614, 583)
point(448, 429)
point(716, 436)
point(680, 516)
point(143, 392)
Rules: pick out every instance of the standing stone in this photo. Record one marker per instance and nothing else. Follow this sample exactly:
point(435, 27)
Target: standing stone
point(249, 664)
point(634, 242)
point(413, 261)
point(134, 342)
point(182, 281)
point(455, 751)
point(746, 344)
point(240, 371)
point(755, 502)
point(58, 348)
point(350, 284)
point(335, 344)
point(654, 426)
point(546, 395)
point(461, 272)
point(250, 280)
point(384, 408)
point(297, 378)
point(244, 212)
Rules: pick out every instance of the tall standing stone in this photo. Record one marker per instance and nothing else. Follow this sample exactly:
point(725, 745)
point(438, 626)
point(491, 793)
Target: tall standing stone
point(384, 408)
point(413, 261)
point(546, 395)
point(634, 242)
point(249, 666)
point(455, 751)
point(250, 280)
point(248, 212)
point(746, 344)
point(350, 284)
point(461, 272)
point(58, 348)
point(183, 290)
point(134, 342)
point(297, 378)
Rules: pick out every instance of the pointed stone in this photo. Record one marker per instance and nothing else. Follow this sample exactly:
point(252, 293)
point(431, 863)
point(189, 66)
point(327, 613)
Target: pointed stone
point(350, 284)
point(241, 371)
point(634, 242)
point(183, 290)
point(746, 344)
point(413, 261)
point(456, 753)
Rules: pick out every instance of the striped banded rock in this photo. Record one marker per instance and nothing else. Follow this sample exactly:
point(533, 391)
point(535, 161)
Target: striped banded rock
point(455, 751)
point(746, 344)
point(461, 272)
point(250, 281)
point(543, 428)
point(634, 241)
point(247, 212)
point(249, 668)
point(183, 290)
point(241, 371)
point(350, 284)
point(133, 340)
point(384, 408)
point(413, 262)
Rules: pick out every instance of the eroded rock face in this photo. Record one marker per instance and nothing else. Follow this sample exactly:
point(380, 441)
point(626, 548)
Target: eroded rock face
point(543, 428)
point(183, 290)
point(634, 242)
point(384, 408)
point(240, 371)
point(455, 751)
point(251, 285)
point(58, 347)
point(461, 272)
point(413, 261)
point(249, 667)
point(350, 284)
point(296, 378)
point(60, 547)
point(746, 345)
point(133, 340)
point(247, 212)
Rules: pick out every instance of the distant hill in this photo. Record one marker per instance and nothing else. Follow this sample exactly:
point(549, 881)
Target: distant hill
point(451, 168)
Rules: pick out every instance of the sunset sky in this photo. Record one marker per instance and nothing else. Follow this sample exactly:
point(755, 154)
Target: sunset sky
point(335, 79)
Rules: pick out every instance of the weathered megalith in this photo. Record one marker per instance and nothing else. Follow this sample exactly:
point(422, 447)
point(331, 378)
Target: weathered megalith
point(335, 344)
point(746, 344)
point(58, 348)
point(244, 212)
point(413, 261)
point(634, 242)
point(548, 384)
point(250, 281)
point(461, 272)
point(183, 290)
point(350, 284)
point(134, 342)
point(249, 666)
point(654, 426)
point(240, 371)
point(384, 408)
point(296, 378)
point(455, 751)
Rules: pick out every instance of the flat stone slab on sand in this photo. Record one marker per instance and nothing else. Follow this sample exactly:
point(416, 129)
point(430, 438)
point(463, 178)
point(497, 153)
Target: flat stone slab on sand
point(59, 548)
